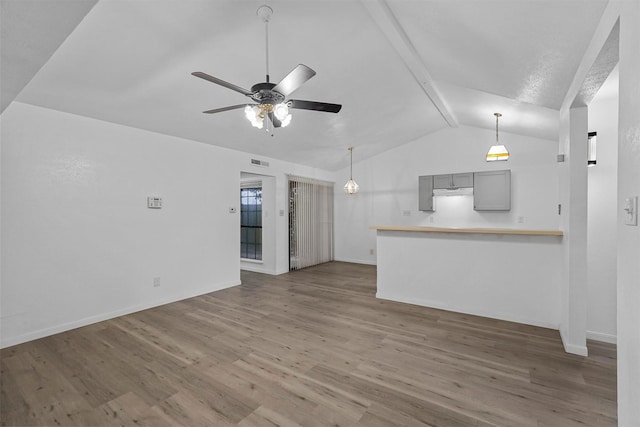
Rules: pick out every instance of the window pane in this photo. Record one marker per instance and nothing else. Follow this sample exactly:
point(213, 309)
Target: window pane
point(251, 223)
point(243, 250)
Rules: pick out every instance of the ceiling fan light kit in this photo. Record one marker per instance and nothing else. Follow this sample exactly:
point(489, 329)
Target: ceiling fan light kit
point(497, 152)
point(271, 105)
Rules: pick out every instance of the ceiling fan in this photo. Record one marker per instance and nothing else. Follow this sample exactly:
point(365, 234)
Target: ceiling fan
point(270, 99)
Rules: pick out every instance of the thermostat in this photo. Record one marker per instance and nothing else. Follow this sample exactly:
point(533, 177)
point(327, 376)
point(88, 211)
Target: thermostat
point(154, 202)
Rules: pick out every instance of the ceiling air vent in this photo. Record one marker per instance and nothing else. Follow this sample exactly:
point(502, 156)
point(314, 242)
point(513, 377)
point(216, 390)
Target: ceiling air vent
point(257, 162)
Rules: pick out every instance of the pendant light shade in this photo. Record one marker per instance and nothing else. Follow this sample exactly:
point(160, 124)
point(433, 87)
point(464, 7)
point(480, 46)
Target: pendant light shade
point(351, 187)
point(497, 152)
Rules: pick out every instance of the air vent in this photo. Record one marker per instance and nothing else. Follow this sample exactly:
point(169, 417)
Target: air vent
point(257, 162)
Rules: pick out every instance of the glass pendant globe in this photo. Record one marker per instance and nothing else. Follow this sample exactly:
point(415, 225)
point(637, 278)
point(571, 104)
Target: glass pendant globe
point(351, 187)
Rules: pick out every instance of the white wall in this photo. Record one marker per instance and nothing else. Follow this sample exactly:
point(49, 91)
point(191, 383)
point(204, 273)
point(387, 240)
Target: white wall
point(78, 242)
point(389, 187)
point(573, 198)
point(602, 214)
point(629, 236)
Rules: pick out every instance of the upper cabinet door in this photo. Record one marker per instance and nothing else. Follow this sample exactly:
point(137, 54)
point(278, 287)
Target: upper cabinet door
point(492, 190)
point(442, 181)
point(425, 193)
point(453, 181)
point(462, 180)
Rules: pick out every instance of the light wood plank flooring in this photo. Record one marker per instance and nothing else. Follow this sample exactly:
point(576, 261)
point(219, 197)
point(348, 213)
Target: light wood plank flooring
point(314, 348)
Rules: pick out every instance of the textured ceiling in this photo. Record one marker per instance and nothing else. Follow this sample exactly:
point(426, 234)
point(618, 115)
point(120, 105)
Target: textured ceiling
point(129, 62)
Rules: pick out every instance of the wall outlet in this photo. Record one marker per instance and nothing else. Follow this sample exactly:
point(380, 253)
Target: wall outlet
point(520, 219)
point(406, 213)
point(371, 251)
point(156, 282)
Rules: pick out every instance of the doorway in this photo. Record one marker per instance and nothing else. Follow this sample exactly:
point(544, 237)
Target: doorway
point(257, 232)
point(310, 222)
point(602, 193)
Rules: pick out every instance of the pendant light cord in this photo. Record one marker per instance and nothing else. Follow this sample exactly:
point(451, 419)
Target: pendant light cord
point(497, 116)
point(351, 163)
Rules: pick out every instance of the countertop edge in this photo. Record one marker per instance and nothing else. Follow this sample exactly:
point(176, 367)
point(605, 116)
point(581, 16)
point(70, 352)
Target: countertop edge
point(512, 231)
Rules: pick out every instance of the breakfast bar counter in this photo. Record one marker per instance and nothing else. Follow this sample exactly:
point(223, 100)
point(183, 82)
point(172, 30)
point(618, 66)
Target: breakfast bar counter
point(501, 273)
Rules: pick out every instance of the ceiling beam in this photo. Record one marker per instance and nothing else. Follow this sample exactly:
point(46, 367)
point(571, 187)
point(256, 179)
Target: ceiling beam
point(391, 28)
point(602, 35)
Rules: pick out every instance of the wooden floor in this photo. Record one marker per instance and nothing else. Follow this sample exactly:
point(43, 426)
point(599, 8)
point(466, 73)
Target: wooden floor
point(312, 348)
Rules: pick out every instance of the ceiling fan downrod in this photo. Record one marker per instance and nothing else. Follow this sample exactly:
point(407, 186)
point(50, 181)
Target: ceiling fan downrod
point(265, 12)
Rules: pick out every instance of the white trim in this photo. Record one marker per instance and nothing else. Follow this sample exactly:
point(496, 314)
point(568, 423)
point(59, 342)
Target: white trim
point(257, 268)
point(253, 261)
point(599, 336)
point(482, 313)
point(110, 315)
point(580, 350)
point(356, 261)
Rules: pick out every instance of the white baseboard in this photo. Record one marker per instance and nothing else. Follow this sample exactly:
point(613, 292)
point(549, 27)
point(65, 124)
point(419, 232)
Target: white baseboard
point(356, 261)
point(257, 268)
point(52, 330)
point(474, 312)
point(580, 350)
point(599, 336)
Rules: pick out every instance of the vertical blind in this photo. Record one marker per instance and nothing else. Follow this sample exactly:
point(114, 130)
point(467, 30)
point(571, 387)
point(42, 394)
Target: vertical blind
point(310, 222)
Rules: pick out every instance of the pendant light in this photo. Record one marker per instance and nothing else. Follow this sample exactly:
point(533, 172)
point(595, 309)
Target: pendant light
point(351, 187)
point(497, 152)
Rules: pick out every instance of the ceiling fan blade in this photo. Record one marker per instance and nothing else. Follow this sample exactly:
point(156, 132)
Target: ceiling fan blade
point(221, 82)
point(294, 79)
point(219, 110)
point(313, 105)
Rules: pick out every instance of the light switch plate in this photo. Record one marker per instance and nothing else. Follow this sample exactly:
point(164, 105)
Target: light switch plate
point(631, 210)
point(154, 202)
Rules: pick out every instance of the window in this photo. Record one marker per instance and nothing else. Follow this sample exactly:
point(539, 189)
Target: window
point(251, 223)
point(591, 149)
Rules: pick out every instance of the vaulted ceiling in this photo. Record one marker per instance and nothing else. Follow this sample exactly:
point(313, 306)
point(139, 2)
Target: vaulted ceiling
point(401, 69)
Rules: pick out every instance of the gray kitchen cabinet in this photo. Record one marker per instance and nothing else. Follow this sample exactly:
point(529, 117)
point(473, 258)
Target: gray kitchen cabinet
point(425, 193)
point(462, 180)
point(453, 181)
point(492, 190)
